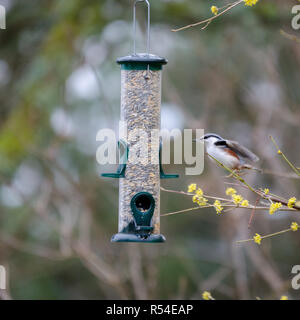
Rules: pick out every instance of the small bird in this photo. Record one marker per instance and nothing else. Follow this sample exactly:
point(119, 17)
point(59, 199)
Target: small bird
point(230, 153)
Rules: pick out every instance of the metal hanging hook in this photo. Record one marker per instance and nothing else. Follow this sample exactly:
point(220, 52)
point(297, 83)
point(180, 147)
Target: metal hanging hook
point(134, 26)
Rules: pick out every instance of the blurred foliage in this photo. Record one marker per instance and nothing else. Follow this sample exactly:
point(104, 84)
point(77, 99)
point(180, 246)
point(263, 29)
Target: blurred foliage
point(59, 84)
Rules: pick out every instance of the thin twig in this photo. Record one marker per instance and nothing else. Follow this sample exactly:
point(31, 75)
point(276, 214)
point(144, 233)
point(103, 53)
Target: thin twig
point(182, 211)
point(281, 174)
point(209, 20)
point(253, 211)
point(289, 36)
point(229, 203)
point(266, 236)
point(191, 194)
point(284, 157)
point(233, 206)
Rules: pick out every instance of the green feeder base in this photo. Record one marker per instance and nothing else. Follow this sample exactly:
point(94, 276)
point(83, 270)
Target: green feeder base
point(131, 237)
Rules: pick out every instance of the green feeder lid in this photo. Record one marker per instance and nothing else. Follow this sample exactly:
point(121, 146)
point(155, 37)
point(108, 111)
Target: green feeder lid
point(142, 61)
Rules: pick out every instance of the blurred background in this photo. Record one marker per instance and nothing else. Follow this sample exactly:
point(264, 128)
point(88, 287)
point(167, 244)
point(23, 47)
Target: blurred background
point(59, 84)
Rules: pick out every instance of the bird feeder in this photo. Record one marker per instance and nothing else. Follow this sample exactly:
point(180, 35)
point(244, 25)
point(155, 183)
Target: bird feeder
point(139, 184)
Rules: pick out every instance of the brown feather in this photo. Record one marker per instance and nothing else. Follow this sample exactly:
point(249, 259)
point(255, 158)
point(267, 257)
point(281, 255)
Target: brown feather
point(231, 152)
point(241, 150)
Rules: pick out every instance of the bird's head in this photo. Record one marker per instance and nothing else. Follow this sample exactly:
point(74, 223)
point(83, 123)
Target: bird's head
point(209, 138)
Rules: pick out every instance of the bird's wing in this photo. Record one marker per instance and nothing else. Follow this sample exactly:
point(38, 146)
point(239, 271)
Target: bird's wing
point(241, 150)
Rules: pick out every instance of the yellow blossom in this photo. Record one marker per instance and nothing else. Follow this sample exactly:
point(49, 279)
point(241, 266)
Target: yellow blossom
point(201, 201)
point(230, 191)
point(250, 3)
point(257, 238)
point(279, 152)
point(206, 295)
point(198, 197)
point(266, 190)
point(245, 203)
point(274, 207)
point(214, 10)
point(284, 298)
point(294, 226)
point(199, 192)
point(218, 206)
point(237, 198)
point(292, 202)
point(192, 187)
